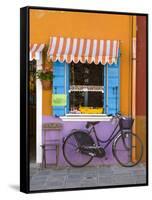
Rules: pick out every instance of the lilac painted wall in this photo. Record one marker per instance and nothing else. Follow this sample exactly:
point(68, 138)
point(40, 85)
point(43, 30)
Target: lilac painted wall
point(103, 129)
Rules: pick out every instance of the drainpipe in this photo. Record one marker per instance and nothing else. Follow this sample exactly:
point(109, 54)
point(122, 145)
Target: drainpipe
point(134, 81)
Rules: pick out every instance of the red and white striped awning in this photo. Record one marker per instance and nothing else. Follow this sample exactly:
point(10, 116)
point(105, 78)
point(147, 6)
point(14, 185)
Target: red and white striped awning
point(35, 51)
point(83, 50)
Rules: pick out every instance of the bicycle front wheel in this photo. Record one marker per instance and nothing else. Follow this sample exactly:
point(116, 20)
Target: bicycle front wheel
point(128, 149)
point(73, 154)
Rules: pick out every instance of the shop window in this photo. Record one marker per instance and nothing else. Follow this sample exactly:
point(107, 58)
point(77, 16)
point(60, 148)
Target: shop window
point(86, 88)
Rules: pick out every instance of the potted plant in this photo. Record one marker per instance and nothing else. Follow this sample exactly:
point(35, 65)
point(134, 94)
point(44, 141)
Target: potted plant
point(46, 77)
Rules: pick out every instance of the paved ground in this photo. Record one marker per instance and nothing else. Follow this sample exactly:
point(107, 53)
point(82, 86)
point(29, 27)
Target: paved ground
point(68, 177)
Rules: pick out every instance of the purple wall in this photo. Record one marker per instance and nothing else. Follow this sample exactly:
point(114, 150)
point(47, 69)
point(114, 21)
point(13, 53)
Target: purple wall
point(103, 129)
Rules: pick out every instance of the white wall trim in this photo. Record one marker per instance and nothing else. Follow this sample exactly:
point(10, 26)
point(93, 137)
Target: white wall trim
point(86, 117)
point(38, 114)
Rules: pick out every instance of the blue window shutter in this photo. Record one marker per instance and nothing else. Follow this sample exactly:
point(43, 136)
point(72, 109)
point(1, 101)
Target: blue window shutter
point(61, 85)
point(114, 88)
point(112, 91)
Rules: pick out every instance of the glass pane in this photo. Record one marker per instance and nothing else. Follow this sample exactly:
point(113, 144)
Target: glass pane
point(86, 88)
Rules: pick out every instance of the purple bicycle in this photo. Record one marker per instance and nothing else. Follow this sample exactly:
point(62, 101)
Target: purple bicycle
point(80, 147)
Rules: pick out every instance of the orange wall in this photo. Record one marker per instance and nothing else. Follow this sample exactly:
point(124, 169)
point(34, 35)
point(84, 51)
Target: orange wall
point(44, 24)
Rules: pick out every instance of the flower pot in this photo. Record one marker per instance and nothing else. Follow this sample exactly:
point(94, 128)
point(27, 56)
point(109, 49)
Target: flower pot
point(46, 84)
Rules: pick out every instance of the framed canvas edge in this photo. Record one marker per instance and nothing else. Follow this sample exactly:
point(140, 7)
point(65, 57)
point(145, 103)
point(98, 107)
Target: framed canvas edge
point(24, 116)
point(24, 139)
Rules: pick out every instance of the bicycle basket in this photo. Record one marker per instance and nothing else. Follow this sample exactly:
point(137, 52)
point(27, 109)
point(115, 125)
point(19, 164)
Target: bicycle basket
point(83, 138)
point(126, 123)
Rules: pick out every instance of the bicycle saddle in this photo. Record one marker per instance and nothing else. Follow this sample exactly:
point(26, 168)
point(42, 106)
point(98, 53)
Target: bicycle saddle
point(88, 124)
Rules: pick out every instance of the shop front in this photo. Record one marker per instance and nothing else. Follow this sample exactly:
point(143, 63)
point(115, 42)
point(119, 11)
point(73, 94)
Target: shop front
point(85, 83)
point(91, 70)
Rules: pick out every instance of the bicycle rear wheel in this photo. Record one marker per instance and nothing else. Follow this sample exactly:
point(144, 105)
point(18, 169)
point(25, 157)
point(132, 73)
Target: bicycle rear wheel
point(128, 149)
point(72, 152)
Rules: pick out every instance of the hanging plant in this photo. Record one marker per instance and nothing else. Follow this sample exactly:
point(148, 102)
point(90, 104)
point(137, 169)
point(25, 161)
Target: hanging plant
point(46, 77)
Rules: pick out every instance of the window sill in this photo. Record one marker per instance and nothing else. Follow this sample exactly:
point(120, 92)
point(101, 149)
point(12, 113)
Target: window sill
point(85, 117)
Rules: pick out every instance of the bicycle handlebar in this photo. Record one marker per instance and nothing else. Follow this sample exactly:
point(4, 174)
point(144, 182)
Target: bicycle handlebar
point(117, 115)
point(114, 115)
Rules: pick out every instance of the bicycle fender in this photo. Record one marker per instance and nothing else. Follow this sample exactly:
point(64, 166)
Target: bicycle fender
point(79, 130)
point(114, 141)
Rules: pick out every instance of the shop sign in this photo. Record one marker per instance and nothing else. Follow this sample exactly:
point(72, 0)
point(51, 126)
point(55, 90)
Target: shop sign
point(59, 100)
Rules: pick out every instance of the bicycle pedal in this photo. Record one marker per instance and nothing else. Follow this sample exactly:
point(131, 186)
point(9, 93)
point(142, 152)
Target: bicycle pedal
point(92, 154)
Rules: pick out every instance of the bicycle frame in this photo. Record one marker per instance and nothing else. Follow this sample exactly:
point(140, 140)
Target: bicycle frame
point(109, 140)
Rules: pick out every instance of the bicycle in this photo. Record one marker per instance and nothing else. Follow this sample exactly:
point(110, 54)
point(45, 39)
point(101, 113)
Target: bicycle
point(80, 147)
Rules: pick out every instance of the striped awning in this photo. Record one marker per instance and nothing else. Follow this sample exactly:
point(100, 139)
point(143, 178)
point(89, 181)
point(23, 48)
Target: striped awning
point(83, 50)
point(35, 51)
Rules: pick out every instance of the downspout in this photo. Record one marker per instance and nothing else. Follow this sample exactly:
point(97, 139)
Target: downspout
point(134, 81)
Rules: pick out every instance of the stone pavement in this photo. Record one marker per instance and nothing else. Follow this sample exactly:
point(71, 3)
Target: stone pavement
point(68, 177)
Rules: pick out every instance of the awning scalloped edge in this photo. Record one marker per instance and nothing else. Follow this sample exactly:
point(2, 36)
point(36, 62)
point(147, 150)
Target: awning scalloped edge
point(83, 50)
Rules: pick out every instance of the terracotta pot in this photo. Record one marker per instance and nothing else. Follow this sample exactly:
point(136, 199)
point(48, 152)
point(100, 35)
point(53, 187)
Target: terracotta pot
point(46, 84)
